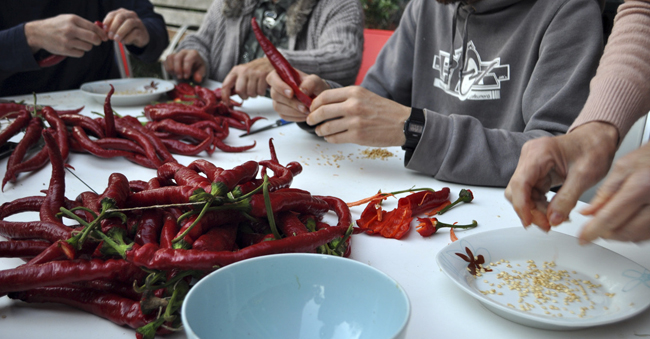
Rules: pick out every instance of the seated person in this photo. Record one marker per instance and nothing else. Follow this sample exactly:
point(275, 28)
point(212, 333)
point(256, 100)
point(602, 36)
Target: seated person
point(323, 37)
point(461, 87)
point(33, 30)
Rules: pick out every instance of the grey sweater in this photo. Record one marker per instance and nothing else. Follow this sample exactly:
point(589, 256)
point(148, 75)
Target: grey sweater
point(325, 37)
point(526, 75)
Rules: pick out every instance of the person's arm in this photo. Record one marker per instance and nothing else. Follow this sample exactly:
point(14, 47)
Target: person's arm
point(338, 30)
point(619, 91)
point(201, 40)
point(155, 24)
point(458, 148)
point(17, 55)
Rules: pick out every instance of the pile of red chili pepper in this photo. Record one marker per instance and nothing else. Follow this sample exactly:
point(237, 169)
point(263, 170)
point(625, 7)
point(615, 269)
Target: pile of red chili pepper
point(197, 121)
point(130, 253)
point(397, 222)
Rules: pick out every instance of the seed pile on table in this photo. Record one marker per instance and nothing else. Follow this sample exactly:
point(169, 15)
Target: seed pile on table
point(134, 249)
point(198, 120)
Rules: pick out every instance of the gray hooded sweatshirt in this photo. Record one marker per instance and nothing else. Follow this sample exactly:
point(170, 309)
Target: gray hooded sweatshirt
point(527, 70)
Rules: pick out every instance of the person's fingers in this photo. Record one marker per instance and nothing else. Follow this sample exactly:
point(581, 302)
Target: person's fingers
point(622, 206)
point(261, 86)
point(188, 65)
point(636, 229)
point(200, 73)
point(578, 179)
point(286, 106)
point(241, 86)
point(608, 188)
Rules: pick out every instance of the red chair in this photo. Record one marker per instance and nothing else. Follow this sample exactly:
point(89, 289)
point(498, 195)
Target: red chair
point(374, 40)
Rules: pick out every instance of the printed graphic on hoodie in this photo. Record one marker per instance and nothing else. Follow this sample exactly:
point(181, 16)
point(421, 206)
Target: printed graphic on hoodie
point(480, 80)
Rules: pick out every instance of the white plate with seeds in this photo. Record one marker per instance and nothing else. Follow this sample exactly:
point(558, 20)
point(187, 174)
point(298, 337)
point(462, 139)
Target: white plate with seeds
point(128, 92)
point(546, 280)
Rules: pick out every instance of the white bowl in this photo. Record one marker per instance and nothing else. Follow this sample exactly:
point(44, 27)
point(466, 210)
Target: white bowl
point(296, 295)
point(128, 92)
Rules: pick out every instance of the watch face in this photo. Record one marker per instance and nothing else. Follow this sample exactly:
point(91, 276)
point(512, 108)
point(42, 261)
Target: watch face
point(415, 128)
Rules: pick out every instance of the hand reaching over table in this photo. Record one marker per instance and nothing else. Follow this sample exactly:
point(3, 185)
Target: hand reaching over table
point(123, 25)
point(66, 35)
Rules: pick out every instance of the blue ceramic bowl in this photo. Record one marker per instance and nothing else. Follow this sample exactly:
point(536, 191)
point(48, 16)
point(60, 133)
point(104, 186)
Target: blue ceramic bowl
point(296, 295)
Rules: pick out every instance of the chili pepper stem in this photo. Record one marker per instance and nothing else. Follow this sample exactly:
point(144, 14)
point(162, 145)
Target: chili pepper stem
point(442, 224)
point(348, 233)
point(269, 208)
point(180, 237)
point(463, 196)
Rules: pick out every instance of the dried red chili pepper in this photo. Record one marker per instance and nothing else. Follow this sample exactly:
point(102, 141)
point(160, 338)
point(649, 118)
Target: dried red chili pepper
point(22, 248)
point(84, 122)
point(22, 120)
point(91, 147)
point(286, 72)
point(221, 238)
point(31, 137)
point(161, 196)
point(47, 230)
point(118, 309)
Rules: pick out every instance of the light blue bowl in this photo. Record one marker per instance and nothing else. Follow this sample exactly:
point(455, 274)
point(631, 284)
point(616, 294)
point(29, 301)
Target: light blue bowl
point(296, 295)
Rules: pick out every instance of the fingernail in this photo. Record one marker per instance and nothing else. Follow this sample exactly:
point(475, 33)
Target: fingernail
point(117, 37)
point(556, 218)
point(111, 35)
point(287, 92)
point(302, 109)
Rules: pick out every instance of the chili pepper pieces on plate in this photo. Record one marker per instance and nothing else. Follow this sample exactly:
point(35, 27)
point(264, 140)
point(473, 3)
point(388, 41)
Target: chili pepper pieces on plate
point(130, 253)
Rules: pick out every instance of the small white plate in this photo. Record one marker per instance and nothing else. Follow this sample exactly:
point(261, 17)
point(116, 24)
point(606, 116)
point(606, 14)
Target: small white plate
point(614, 288)
point(128, 92)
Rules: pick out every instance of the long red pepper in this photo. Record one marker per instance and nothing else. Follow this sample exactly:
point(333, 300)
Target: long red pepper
point(61, 131)
point(281, 65)
point(153, 257)
point(55, 198)
point(16, 126)
point(31, 137)
point(47, 230)
point(118, 309)
point(22, 248)
point(68, 271)
point(109, 118)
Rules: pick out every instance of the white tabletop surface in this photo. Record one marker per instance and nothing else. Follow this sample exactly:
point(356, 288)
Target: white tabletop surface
point(439, 309)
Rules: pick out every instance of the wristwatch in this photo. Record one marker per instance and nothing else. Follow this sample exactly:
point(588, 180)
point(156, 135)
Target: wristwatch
point(413, 127)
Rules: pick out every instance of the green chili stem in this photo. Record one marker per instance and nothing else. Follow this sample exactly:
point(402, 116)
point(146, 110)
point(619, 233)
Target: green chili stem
point(442, 224)
point(345, 238)
point(269, 208)
point(463, 196)
point(205, 209)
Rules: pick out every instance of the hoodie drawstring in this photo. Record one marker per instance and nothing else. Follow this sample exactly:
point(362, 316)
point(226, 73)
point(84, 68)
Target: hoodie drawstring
point(464, 46)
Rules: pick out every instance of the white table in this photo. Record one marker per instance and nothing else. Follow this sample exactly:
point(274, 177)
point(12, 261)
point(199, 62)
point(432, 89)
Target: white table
point(438, 308)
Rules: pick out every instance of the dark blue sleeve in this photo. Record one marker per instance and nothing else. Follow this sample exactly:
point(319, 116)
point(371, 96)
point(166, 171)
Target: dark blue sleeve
point(158, 38)
point(16, 55)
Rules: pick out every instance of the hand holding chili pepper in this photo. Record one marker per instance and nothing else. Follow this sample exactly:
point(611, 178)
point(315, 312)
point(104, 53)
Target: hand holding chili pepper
point(186, 64)
point(63, 35)
point(123, 25)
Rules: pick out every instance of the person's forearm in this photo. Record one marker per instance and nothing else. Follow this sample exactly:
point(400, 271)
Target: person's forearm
point(619, 91)
point(17, 55)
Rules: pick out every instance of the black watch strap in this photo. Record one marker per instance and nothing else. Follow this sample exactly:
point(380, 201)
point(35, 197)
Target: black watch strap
point(413, 128)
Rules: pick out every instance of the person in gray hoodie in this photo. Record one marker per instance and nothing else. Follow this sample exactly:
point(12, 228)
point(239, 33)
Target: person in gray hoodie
point(462, 85)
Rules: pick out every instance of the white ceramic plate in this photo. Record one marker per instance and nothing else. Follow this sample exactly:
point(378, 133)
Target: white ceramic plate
point(610, 287)
point(128, 92)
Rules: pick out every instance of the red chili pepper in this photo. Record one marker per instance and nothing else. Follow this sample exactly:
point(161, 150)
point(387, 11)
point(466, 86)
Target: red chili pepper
point(149, 228)
point(429, 226)
point(290, 224)
point(281, 65)
point(183, 176)
point(47, 230)
point(37, 161)
point(108, 114)
point(26, 204)
point(169, 230)
point(228, 179)
point(53, 273)
point(222, 238)
point(203, 166)
point(11, 110)
point(182, 148)
point(16, 126)
point(153, 257)
point(161, 196)
point(83, 122)
point(22, 248)
point(140, 139)
point(119, 310)
point(424, 201)
point(31, 137)
point(55, 198)
point(56, 251)
point(91, 147)
point(119, 144)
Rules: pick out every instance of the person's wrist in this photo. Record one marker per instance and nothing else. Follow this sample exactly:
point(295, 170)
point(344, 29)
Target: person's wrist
point(31, 35)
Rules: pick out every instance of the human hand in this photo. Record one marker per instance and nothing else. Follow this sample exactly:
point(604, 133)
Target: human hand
point(356, 115)
point(67, 34)
point(248, 80)
point(186, 63)
point(284, 100)
point(123, 25)
point(620, 208)
point(576, 160)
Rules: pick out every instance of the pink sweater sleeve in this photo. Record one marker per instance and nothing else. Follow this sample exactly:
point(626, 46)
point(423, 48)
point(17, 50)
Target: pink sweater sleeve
point(620, 91)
